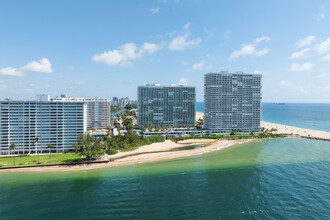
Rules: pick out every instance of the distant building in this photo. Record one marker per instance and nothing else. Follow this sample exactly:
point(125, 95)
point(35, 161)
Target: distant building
point(98, 110)
point(43, 98)
point(55, 123)
point(232, 102)
point(115, 100)
point(166, 105)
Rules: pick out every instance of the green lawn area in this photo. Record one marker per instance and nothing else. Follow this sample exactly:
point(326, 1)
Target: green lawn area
point(26, 160)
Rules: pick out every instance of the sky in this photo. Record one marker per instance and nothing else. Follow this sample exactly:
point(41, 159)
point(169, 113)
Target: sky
point(108, 48)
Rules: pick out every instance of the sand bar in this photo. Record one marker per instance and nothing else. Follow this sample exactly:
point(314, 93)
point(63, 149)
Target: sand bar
point(295, 130)
point(145, 154)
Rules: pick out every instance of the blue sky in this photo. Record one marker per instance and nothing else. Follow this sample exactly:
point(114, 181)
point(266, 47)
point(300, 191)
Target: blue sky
point(108, 48)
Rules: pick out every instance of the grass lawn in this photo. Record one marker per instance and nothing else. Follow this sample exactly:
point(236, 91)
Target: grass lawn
point(26, 160)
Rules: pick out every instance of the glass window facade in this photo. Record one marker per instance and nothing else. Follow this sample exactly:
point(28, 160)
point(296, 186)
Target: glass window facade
point(166, 105)
point(232, 101)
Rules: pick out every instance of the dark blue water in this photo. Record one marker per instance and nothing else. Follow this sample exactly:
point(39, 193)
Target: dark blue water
point(311, 116)
point(270, 179)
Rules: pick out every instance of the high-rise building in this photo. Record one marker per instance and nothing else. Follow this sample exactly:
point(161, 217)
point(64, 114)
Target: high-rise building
point(55, 123)
point(166, 105)
point(115, 100)
point(232, 102)
point(98, 111)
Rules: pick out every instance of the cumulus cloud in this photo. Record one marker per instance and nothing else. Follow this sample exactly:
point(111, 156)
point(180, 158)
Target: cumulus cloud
point(326, 57)
point(296, 67)
point(180, 42)
point(305, 42)
point(323, 47)
point(300, 54)
point(186, 26)
point(322, 13)
point(154, 10)
point(257, 72)
point(10, 71)
point(286, 84)
point(126, 53)
point(43, 66)
point(200, 66)
point(323, 75)
point(183, 81)
point(251, 49)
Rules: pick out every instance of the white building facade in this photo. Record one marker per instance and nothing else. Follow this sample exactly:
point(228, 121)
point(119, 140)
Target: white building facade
point(232, 102)
point(98, 111)
point(55, 123)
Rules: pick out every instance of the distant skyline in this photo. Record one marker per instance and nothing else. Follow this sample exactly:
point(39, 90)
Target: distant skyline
point(108, 48)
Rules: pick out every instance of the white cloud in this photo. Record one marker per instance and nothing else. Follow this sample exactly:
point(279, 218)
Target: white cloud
point(200, 66)
point(3, 86)
point(323, 75)
point(10, 71)
point(322, 13)
point(286, 84)
point(305, 42)
point(257, 72)
point(261, 39)
point(81, 82)
point(323, 47)
point(154, 10)
point(126, 52)
point(43, 66)
point(183, 81)
point(251, 49)
point(227, 34)
point(2, 81)
point(300, 54)
point(180, 42)
point(296, 67)
point(326, 57)
point(186, 26)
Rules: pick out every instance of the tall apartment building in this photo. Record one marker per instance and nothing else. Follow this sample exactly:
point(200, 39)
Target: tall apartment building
point(232, 102)
point(55, 123)
point(98, 110)
point(166, 105)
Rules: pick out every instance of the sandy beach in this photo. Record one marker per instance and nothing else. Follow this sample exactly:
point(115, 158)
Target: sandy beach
point(148, 153)
point(295, 130)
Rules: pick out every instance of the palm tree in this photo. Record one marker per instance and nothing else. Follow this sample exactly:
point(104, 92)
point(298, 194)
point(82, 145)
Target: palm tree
point(12, 147)
point(36, 140)
point(49, 147)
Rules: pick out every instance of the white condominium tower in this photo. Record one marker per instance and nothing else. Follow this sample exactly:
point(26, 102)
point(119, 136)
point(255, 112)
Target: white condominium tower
point(98, 110)
point(232, 102)
point(166, 105)
point(55, 123)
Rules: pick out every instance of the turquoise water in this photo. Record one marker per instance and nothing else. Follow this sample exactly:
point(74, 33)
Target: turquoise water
point(269, 179)
point(311, 116)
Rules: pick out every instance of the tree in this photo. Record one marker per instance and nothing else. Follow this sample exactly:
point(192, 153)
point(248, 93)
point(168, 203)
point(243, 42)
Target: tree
point(11, 148)
point(36, 140)
point(88, 147)
point(49, 147)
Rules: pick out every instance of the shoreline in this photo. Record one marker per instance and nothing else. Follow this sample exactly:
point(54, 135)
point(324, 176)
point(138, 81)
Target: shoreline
point(146, 154)
point(302, 132)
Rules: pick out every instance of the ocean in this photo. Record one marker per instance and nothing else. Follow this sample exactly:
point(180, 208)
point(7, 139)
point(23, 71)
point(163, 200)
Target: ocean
point(303, 115)
point(284, 178)
point(268, 179)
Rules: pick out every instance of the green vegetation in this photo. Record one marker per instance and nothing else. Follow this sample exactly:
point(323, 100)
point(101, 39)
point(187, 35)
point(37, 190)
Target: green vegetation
point(229, 136)
point(131, 106)
point(115, 108)
point(129, 141)
point(27, 160)
point(88, 147)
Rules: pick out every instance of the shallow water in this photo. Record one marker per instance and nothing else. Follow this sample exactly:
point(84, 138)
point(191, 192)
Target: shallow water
point(268, 179)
